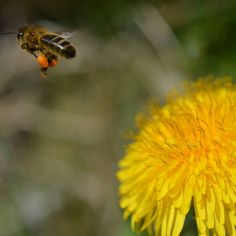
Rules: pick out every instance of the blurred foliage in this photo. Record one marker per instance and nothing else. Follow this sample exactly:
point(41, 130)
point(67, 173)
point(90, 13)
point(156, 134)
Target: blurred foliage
point(61, 139)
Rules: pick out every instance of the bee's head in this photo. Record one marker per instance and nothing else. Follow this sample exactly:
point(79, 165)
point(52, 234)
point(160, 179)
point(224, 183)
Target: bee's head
point(20, 36)
point(21, 33)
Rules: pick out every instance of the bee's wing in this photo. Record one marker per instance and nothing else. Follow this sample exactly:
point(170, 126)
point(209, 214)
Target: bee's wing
point(67, 35)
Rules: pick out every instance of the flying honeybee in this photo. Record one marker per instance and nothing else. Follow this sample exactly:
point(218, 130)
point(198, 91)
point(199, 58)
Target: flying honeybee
point(46, 46)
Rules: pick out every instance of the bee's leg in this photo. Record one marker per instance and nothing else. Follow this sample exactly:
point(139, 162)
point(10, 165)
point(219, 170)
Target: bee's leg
point(43, 72)
point(24, 46)
point(52, 60)
point(32, 52)
point(50, 57)
point(29, 49)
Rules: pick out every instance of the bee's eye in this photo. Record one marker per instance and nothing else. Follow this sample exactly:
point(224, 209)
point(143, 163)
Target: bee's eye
point(19, 35)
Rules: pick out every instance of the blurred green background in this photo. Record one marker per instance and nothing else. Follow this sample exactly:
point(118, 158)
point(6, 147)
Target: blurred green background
point(61, 138)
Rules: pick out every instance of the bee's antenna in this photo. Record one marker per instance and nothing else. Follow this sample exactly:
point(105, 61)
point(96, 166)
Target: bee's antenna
point(5, 33)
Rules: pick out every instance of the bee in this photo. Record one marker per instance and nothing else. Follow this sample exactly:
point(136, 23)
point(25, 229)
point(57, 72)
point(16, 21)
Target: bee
point(46, 46)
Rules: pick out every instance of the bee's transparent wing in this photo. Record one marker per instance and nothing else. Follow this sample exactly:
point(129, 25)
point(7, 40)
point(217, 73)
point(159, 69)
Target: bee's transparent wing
point(56, 28)
point(67, 35)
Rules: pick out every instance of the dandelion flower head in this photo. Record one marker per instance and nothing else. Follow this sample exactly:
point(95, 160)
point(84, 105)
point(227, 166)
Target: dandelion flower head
point(183, 154)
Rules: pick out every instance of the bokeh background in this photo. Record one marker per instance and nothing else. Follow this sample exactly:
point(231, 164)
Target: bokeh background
point(61, 138)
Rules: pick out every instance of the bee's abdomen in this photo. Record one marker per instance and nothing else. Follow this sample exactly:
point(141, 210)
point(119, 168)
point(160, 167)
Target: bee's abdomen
point(58, 44)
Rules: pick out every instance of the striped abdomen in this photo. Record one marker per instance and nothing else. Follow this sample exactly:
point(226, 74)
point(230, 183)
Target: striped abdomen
point(58, 45)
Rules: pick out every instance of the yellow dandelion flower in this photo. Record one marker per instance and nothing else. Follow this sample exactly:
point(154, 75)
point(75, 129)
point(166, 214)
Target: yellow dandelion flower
point(185, 152)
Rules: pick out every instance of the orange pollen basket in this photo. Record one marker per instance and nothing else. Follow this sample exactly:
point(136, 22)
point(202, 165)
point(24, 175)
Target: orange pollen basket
point(53, 63)
point(43, 61)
